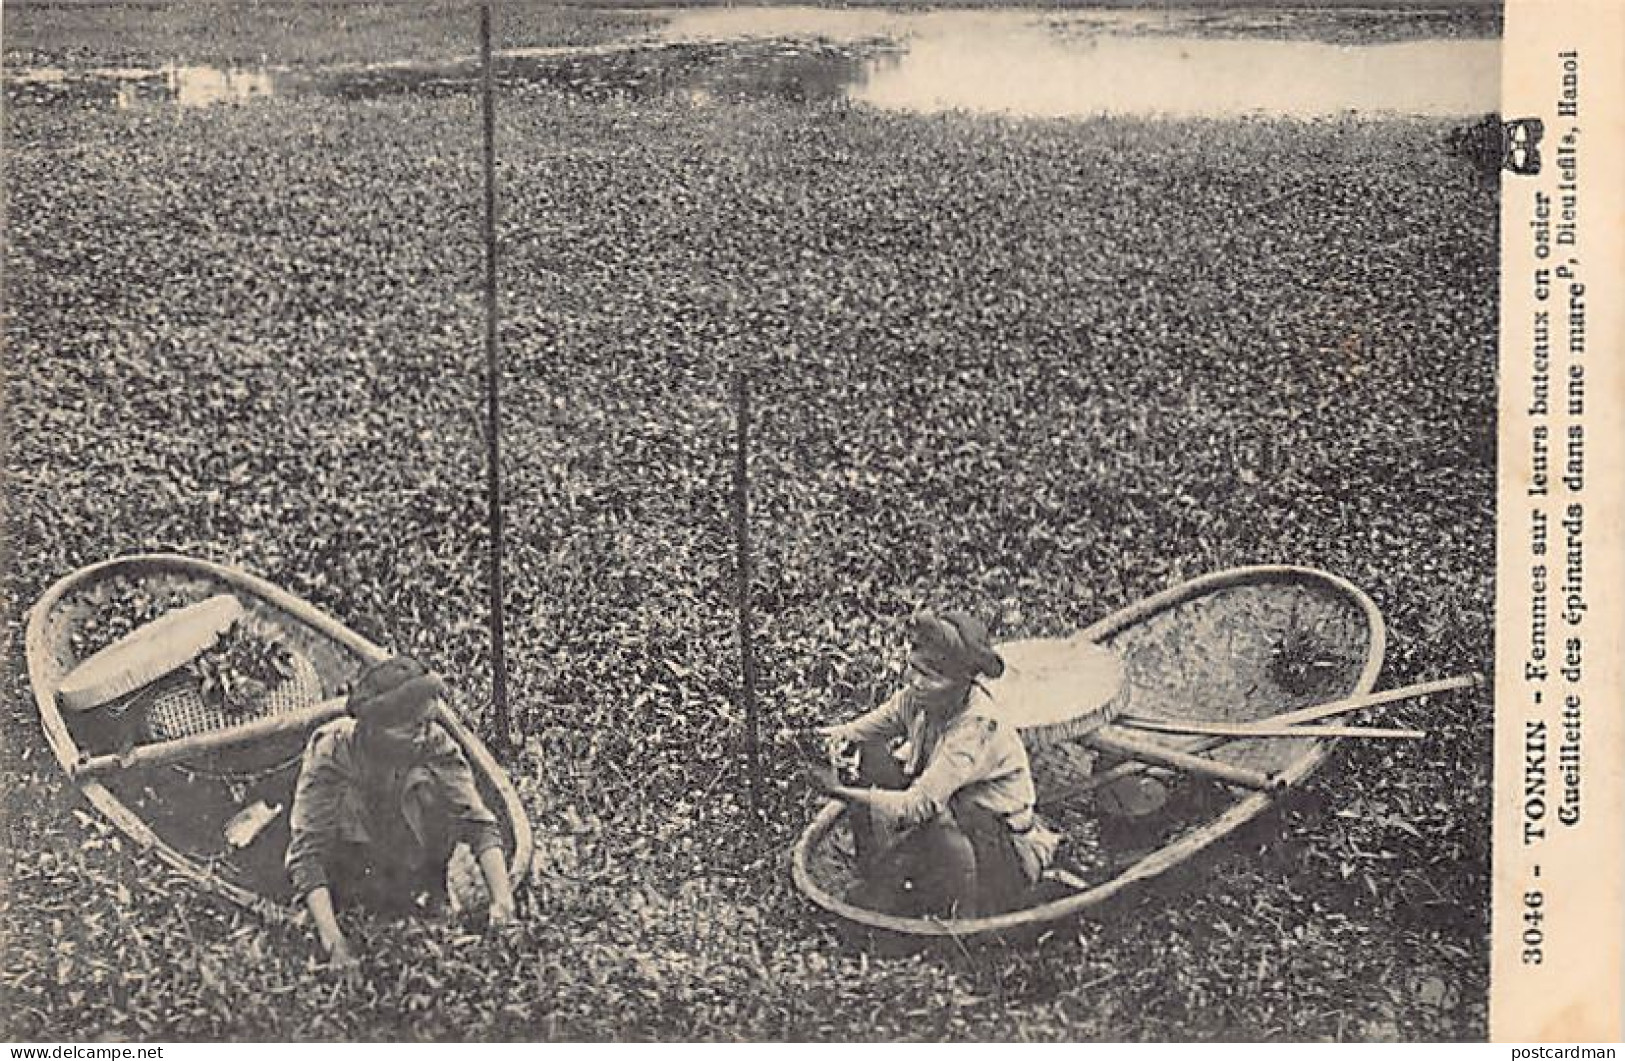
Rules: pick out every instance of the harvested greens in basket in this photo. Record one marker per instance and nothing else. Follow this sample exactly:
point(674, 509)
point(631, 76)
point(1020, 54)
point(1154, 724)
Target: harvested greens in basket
point(1306, 662)
point(239, 670)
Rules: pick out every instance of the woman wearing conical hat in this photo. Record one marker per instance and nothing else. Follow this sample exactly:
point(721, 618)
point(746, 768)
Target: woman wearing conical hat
point(942, 814)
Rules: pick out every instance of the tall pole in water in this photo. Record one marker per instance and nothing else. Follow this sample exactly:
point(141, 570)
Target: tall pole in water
point(747, 658)
point(503, 735)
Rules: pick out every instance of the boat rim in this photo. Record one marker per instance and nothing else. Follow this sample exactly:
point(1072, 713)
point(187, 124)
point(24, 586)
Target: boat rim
point(66, 750)
point(1163, 858)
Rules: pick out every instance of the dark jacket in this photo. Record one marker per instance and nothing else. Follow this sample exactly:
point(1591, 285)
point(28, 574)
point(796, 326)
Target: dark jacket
point(402, 813)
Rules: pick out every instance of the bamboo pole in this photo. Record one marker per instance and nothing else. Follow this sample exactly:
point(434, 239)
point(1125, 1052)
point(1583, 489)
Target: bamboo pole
point(1243, 730)
point(1129, 745)
point(502, 737)
point(747, 657)
point(1360, 703)
point(174, 751)
point(1286, 718)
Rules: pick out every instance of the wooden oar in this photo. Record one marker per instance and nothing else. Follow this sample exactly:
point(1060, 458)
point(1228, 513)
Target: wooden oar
point(1124, 743)
point(174, 751)
point(1313, 713)
point(1360, 703)
point(1243, 730)
point(1286, 718)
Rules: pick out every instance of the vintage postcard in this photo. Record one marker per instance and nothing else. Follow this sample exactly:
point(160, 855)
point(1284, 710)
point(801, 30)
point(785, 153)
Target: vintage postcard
point(952, 522)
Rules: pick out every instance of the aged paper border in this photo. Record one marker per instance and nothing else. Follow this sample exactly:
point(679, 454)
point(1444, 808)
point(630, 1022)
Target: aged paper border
point(1577, 992)
point(1558, 919)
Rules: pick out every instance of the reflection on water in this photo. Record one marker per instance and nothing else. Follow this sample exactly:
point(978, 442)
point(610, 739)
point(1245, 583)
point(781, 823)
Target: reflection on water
point(1071, 63)
point(839, 25)
point(1318, 22)
point(200, 86)
point(703, 74)
point(126, 87)
point(1039, 75)
point(197, 86)
point(1080, 63)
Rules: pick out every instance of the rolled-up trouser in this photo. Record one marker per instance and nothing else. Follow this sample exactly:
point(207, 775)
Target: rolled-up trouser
point(961, 864)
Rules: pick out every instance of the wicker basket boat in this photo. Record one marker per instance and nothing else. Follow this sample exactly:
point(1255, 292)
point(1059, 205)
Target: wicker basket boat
point(1236, 646)
point(179, 776)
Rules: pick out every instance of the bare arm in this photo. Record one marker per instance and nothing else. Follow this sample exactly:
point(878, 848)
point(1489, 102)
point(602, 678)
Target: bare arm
point(886, 721)
point(494, 867)
point(313, 820)
point(957, 762)
point(319, 901)
point(474, 824)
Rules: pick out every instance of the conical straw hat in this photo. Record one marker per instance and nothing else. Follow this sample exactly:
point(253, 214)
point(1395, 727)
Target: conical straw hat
point(1054, 689)
point(148, 653)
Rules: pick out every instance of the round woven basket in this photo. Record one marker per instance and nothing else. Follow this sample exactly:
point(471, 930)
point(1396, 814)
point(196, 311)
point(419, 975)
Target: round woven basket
point(1054, 690)
point(177, 709)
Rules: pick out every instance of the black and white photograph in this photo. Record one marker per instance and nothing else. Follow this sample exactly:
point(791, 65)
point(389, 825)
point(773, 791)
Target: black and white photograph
point(592, 521)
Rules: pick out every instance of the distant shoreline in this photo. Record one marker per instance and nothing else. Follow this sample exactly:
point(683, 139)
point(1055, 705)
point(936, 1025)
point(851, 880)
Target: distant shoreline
point(302, 33)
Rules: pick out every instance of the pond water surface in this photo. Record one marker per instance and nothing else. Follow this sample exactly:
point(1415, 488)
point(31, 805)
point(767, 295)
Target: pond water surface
point(1031, 63)
point(1082, 63)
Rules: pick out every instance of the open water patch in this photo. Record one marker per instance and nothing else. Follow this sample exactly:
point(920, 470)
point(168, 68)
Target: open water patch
point(131, 87)
point(1022, 63)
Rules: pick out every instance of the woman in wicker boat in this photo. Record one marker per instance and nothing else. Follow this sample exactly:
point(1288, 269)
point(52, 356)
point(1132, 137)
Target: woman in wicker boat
point(384, 796)
point(944, 822)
